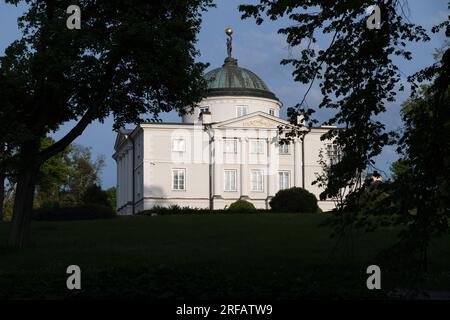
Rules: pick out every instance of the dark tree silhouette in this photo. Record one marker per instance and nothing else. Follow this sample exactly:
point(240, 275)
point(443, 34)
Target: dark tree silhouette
point(357, 76)
point(356, 73)
point(130, 57)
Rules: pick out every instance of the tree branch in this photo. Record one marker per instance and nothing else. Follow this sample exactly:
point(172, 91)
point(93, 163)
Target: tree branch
point(76, 131)
point(85, 120)
point(317, 70)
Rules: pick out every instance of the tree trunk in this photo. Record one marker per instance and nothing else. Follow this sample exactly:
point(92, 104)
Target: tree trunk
point(2, 193)
point(2, 184)
point(23, 206)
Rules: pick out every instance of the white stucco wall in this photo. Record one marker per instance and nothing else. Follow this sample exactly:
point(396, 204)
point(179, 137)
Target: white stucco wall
point(125, 170)
point(224, 108)
point(159, 160)
point(155, 160)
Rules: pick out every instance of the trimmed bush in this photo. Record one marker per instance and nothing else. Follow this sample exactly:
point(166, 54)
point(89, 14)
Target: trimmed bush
point(83, 212)
point(241, 206)
point(295, 200)
point(160, 211)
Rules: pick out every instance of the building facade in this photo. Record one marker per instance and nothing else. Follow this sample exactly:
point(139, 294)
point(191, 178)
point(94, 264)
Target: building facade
point(227, 149)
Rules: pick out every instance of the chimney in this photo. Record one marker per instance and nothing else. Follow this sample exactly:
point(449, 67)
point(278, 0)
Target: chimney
point(205, 117)
point(301, 119)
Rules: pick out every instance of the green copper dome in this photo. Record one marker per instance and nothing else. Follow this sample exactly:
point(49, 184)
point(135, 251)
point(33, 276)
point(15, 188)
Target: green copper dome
point(231, 80)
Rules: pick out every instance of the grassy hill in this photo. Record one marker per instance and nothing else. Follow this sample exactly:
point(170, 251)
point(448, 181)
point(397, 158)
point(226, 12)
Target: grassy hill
point(275, 256)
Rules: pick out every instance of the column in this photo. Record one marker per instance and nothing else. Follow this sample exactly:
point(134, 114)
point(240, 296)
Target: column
point(244, 167)
point(217, 176)
point(298, 163)
point(272, 169)
point(126, 173)
point(118, 182)
point(130, 176)
point(122, 181)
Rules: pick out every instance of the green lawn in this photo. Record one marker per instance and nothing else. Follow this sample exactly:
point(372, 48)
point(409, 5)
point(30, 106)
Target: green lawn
point(201, 256)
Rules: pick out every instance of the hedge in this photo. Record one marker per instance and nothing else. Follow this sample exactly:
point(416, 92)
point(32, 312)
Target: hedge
point(82, 212)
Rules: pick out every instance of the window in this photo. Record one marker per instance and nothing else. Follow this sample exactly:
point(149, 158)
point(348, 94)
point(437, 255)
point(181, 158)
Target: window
point(284, 148)
point(257, 146)
point(272, 112)
point(230, 145)
point(241, 111)
point(257, 180)
point(204, 109)
point(138, 184)
point(333, 153)
point(179, 145)
point(230, 180)
point(138, 149)
point(283, 180)
point(178, 179)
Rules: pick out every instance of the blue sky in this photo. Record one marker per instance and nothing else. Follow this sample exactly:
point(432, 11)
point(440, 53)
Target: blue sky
point(260, 49)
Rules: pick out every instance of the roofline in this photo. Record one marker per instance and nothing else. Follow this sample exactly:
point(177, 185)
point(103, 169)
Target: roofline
point(226, 97)
point(149, 122)
point(146, 124)
point(248, 92)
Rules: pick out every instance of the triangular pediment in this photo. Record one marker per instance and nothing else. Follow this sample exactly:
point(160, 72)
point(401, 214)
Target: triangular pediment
point(253, 120)
point(120, 138)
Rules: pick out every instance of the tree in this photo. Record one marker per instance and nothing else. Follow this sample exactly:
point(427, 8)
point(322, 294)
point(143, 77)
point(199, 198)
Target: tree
point(129, 58)
point(4, 153)
point(8, 201)
point(2, 194)
point(65, 178)
point(398, 169)
point(94, 195)
point(84, 172)
point(422, 184)
point(357, 76)
point(111, 192)
point(52, 177)
point(418, 198)
point(356, 73)
point(324, 176)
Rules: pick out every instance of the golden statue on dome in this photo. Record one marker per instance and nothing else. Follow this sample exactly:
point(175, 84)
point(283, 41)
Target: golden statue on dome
point(229, 32)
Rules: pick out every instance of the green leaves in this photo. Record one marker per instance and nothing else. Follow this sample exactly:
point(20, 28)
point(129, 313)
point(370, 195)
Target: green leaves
point(355, 73)
point(357, 76)
point(130, 58)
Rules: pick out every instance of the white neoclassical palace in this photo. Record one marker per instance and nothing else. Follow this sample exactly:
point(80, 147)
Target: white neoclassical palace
point(227, 149)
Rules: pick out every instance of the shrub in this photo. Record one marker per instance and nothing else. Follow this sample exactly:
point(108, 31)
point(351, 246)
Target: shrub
point(172, 209)
point(241, 206)
point(94, 195)
point(176, 209)
point(294, 200)
point(83, 212)
point(50, 204)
